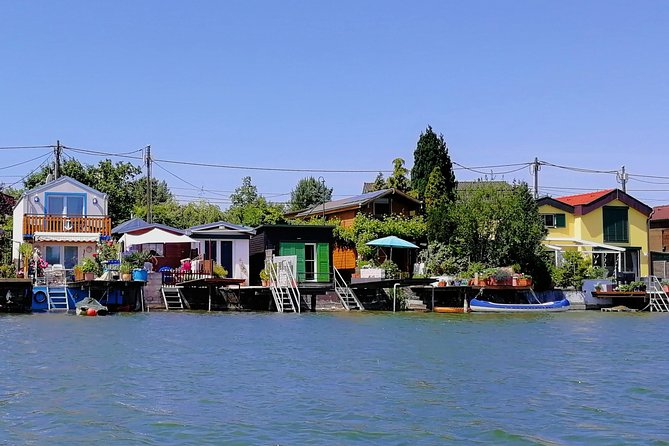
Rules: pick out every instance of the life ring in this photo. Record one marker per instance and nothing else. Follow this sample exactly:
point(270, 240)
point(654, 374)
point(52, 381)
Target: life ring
point(39, 297)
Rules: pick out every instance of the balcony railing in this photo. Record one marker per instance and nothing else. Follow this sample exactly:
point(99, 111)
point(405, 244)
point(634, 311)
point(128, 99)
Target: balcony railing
point(65, 223)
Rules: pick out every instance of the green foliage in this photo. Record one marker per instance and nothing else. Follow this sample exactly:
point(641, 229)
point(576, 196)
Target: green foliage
point(7, 272)
point(138, 258)
point(439, 259)
point(398, 180)
point(219, 270)
point(264, 274)
point(309, 192)
point(365, 229)
point(434, 190)
point(431, 152)
point(379, 183)
point(126, 268)
point(575, 268)
point(391, 269)
point(88, 265)
point(250, 209)
point(107, 250)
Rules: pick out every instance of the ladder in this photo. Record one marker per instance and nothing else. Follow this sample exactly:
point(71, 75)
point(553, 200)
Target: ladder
point(348, 298)
point(283, 286)
point(173, 298)
point(57, 298)
point(657, 298)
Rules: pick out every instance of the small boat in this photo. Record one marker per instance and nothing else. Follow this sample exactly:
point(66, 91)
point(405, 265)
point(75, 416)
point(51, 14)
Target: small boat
point(450, 310)
point(90, 307)
point(482, 306)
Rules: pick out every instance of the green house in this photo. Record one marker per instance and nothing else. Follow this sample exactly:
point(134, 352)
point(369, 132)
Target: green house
point(311, 244)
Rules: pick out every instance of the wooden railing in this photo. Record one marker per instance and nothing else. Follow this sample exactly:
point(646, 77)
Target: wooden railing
point(63, 223)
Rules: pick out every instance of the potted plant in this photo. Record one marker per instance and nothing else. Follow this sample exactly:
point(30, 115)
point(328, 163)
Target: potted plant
point(598, 288)
point(89, 267)
point(219, 270)
point(501, 277)
point(665, 286)
point(264, 277)
point(126, 271)
point(78, 273)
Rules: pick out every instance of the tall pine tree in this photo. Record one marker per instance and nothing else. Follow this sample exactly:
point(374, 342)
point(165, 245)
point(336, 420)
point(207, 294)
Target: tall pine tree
point(431, 152)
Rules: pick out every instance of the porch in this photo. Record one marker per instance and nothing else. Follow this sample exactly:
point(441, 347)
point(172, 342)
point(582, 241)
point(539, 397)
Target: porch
point(33, 223)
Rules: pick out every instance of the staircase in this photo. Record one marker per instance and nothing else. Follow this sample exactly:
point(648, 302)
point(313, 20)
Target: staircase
point(173, 298)
point(658, 299)
point(348, 298)
point(283, 286)
point(57, 298)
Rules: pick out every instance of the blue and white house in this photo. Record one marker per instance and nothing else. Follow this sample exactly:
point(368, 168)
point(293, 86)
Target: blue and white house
point(63, 218)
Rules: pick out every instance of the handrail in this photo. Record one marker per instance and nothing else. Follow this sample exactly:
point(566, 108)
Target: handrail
point(273, 286)
point(66, 223)
point(293, 288)
point(658, 300)
point(342, 287)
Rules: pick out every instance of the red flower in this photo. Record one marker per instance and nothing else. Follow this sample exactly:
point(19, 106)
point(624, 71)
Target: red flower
point(95, 254)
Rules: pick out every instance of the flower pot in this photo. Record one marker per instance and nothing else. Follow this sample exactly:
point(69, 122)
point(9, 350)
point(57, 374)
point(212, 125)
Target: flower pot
point(89, 276)
point(126, 276)
point(140, 275)
point(515, 281)
point(265, 282)
point(78, 275)
point(665, 288)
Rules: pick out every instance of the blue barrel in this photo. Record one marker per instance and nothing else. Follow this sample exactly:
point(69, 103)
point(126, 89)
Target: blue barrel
point(140, 274)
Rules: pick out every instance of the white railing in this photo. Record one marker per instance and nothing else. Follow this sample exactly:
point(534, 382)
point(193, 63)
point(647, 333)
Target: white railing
point(343, 290)
point(283, 283)
point(658, 300)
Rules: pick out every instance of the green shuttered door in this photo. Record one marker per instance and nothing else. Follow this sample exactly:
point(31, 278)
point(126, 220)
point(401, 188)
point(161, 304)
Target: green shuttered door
point(323, 259)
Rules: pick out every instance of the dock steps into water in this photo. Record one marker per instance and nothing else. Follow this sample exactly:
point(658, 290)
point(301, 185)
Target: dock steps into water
point(658, 300)
point(619, 309)
point(57, 298)
point(173, 298)
point(283, 285)
point(346, 295)
point(415, 305)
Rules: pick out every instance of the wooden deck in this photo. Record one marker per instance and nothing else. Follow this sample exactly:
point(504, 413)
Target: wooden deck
point(64, 223)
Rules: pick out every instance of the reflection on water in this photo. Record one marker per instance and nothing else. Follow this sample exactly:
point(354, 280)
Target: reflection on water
point(168, 379)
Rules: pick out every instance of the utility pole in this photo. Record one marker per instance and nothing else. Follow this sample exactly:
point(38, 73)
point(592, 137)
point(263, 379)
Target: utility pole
point(149, 216)
point(536, 167)
point(56, 154)
point(622, 178)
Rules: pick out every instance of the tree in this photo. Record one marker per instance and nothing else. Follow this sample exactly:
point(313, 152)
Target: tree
point(398, 180)
point(434, 190)
point(379, 183)
point(431, 152)
point(497, 225)
point(250, 209)
point(309, 192)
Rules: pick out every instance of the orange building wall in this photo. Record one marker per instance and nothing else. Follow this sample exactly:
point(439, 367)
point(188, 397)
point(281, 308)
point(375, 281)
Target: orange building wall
point(343, 258)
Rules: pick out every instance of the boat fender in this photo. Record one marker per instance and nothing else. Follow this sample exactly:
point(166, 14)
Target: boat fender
point(39, 297)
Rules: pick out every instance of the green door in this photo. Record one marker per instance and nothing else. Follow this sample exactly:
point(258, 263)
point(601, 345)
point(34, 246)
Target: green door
point(294, 249)
point(323, 261)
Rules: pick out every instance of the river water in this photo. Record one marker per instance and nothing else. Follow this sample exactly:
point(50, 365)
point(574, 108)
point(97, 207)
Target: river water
point(365, 378)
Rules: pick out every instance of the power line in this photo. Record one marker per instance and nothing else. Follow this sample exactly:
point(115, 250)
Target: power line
point(42, 164)
point(27, 161)
point(578, 169)
point(25, 147)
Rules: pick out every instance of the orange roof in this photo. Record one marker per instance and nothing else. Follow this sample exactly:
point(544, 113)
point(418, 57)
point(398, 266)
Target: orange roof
point(581, 199)
point(660, 213)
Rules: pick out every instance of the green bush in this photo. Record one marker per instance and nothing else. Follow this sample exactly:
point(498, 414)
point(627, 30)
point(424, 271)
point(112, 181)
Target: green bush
point(219, 271)
point(7, 272)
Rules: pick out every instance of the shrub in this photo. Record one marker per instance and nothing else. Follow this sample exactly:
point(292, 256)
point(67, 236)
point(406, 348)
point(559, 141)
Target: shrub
point(219, 271)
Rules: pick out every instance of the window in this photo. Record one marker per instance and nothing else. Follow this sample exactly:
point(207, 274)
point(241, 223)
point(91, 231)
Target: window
point(616, 226)
point(158, 248)
point(68, 256)
point(382, 206)
point(309, 261)
point(554, 220)
point(65, 204)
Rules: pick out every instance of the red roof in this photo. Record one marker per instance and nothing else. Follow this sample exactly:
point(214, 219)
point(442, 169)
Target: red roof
point(661, 212)
point(581, 199)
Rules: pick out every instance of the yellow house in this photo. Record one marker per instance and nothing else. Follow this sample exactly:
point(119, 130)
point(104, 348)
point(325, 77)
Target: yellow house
point(609, 225)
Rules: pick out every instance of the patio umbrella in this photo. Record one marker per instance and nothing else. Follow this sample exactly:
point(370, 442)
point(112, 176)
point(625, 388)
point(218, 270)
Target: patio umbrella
point(391, 242)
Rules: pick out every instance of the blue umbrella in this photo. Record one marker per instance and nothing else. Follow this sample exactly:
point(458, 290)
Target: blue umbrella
point(391, 242)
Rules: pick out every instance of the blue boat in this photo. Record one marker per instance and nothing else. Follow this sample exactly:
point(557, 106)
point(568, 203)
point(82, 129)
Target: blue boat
point(482, 306)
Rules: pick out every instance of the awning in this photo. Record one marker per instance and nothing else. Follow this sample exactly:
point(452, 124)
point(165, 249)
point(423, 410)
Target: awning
point(391, 242)
point(155, 235)
point(559, 243)
point(69, 237)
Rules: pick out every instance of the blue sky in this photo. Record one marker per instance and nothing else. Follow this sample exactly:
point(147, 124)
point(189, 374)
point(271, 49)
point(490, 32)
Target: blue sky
point(343, 85)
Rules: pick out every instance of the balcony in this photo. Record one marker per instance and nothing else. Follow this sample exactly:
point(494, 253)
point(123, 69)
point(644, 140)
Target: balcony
point(67, 224)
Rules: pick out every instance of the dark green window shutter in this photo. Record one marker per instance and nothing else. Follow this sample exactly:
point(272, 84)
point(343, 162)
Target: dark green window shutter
point(560, 221)
point(294, 249)
point(616, 227)
point(323, 260)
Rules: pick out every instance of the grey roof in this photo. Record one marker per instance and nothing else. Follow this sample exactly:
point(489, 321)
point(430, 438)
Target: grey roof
point(357, 200)
point(136, 224)
point(217, 224)
point(63, 179)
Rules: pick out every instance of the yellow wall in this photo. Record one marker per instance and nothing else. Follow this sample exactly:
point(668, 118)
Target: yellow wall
point(568, 230)
point(590, 227)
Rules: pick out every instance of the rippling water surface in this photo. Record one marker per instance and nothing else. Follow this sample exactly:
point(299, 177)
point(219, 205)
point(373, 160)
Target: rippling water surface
point(369, 378)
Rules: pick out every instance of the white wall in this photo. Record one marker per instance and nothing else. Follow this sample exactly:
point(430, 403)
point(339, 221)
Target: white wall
point(92, 209)
point(240, 257)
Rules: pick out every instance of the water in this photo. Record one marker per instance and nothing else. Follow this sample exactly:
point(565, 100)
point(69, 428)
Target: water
point(403, 379)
